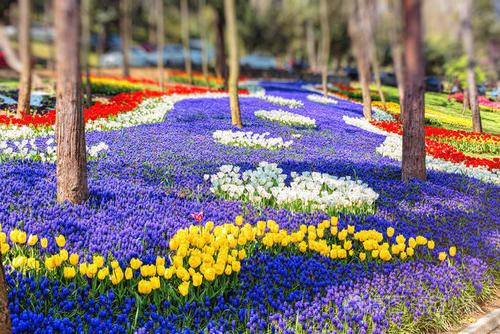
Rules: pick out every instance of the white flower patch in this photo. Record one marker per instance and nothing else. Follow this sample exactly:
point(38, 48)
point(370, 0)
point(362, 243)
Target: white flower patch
point(363, 123)
point(281, 101)
point(250, 139)
point(285, 117)
point(381, 115)
point(27, 149)
point(321, 99)
point(308, 192)
point(392, 148)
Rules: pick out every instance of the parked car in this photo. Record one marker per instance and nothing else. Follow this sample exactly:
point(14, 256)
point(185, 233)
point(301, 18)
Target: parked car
point(433, 84)
point(137, 57)
point(258, 61)
point(173, 55)
point(389, 79)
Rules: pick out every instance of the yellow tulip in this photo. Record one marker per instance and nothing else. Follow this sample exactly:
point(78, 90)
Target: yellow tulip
point(144, 287)
point(184, 288)
point(44, 242)
point(32, 240)
point(442, 256)
point(73, 259)
point(69, 272)
point(60, 240)
point(390, 232)
point(129, 273)
point(135, 263)
point(453, 251)
point(430, 244)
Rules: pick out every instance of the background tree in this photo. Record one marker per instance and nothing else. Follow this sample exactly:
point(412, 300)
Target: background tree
point(86, 5)
point(204, 40)
point(358, 31)
point(468, 43)
point(125, 26)
point(185, 39)
point(396, 45)
point(23, 102)
point(71, 166)
point(325, 44)
point(234, 62)
point(413, 164)
point(160, 40)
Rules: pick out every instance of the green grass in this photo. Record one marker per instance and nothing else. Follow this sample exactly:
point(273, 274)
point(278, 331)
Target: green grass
point(439, 102)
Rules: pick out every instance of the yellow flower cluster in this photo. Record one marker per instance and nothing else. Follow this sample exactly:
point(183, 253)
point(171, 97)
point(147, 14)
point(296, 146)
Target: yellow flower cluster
point(203, 253)
point(117, 83)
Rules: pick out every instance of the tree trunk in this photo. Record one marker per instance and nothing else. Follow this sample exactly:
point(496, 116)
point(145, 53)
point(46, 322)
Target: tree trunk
point(358, 33)
point(160, 41)
point(220, 47)
point(125, 34)
point(311, 46)
point(86, 4)
point(47, 23)
point(101, 44)
point(185, 39)
point(203, 37)
point(465, 101)
point(10, 55)
point(397, 50)
point(413, 165)
point(5, 324)
point(468, 43)
point(234, 64)
point(71, 167)
point(325, 44)
point(151, 9)
point(23, 102)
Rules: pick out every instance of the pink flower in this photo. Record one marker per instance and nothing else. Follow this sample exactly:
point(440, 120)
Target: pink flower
point(197, 216)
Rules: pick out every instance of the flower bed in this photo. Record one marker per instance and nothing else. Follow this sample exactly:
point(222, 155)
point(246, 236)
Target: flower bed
point(281, 101)
point(265, 186)
point(286, 118)
point(250, 139)
point(321, 99)
point(284, 270)
point(482, 100)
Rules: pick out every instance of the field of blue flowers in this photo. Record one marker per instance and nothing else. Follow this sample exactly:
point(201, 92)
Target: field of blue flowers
point(157, 179)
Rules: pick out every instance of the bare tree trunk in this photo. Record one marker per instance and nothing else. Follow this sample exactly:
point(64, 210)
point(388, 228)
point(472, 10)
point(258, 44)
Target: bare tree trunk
point(413, 165)
point(358, 33)
point(234, 62)
point(9, 53)
point(71, 167)
point(311, 46)
point(468, 43)
point(160, 41)
point(466, 101)
point(220, 47)
point(86, 49)
point(125, 34)
point(325, 44)
point(47, 22)
point(151, 8)
point(101, 44)
point(397, 49)
point(185, 39)
point(203, 37)
point(23, 102)
point(5, 324)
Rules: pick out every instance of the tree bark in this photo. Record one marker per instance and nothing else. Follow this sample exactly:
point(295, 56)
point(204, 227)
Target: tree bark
point(71, 166)
point(10, 55)
point(86, 49)
point(47, 23)
point(465, 101)
point(24, 32)
point(397, 50)
point(151, 9)
point(5, 323)
point(160, 41)
point(468, 43)
point(101, 44)
point(413, 165)
point(311, 46)
point(234, 64)
point(325, 44)
point(125, 34)
point(185, 39)
point(220, 47)
point(358, 33)
point(203, 37)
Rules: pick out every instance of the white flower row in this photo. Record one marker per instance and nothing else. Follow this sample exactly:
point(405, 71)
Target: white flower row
point(381, 115)
point(363, 123)
point(250, 139)
point(151, 110)
point(27, 149)
point(392, 148)
point(321, 99)
point(307, 192)
point(281, 101)
point(286, 118)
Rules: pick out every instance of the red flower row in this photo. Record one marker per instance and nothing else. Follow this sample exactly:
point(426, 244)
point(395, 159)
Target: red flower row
point(445, 151)
point(119, 103)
